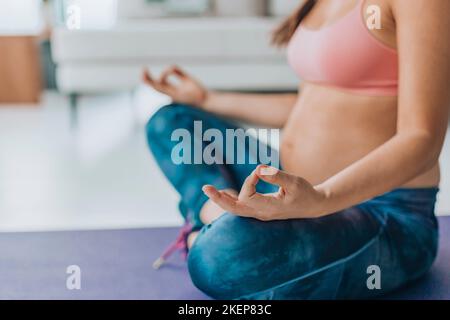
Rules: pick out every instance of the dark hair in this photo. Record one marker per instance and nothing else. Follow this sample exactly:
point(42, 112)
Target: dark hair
point(285, 31)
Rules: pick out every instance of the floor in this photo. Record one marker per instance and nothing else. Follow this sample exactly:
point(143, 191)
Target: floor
point(34, 261)
point(100, 176)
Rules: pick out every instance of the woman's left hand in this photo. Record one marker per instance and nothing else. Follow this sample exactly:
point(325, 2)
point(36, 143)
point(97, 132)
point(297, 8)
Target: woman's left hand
point(295, 199)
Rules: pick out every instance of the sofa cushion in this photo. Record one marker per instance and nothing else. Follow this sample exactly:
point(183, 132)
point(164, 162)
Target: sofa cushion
point(245, 75)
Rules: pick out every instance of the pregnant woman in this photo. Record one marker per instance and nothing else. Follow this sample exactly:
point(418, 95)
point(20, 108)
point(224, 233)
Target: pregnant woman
point(350, 211)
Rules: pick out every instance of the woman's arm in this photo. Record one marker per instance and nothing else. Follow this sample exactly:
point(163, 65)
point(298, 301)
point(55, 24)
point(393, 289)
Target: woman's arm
point(423, 30)
point(263, 109)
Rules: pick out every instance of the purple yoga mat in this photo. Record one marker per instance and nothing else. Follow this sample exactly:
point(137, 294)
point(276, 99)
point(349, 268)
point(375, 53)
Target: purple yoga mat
point(114, 264)
point(118, 265)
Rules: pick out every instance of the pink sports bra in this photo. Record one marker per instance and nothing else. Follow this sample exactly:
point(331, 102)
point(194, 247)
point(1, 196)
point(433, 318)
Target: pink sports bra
point(345, 55)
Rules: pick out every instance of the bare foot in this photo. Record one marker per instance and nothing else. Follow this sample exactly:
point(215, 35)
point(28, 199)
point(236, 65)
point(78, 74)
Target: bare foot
point(211, 211)
point(191, 239)
point(208, 214)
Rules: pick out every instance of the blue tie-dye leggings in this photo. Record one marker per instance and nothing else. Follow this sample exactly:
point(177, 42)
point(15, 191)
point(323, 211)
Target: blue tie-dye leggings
point(360, 252)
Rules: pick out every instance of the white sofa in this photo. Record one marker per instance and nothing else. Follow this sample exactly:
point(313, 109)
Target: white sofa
point(224, 53)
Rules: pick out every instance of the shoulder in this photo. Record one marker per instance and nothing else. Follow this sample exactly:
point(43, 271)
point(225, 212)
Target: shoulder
point(418, 10)
point(425, 20)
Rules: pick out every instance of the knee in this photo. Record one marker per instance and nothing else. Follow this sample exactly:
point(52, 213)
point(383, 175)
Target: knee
point(164, 121)
point(219, 262)
point(207, 268)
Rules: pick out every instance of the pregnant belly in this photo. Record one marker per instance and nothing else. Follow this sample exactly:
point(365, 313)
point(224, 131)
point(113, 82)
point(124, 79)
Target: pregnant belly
point(328, 131)
point(316, 156)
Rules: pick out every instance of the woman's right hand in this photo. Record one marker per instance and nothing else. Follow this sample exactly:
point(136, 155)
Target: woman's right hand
point(186, 90)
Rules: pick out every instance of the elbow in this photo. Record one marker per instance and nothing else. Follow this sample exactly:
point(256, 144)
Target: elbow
point(426, 147)
point(432, 152)
point(431, 163)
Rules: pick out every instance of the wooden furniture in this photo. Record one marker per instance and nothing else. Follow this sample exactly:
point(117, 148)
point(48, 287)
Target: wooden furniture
point(20, 71)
